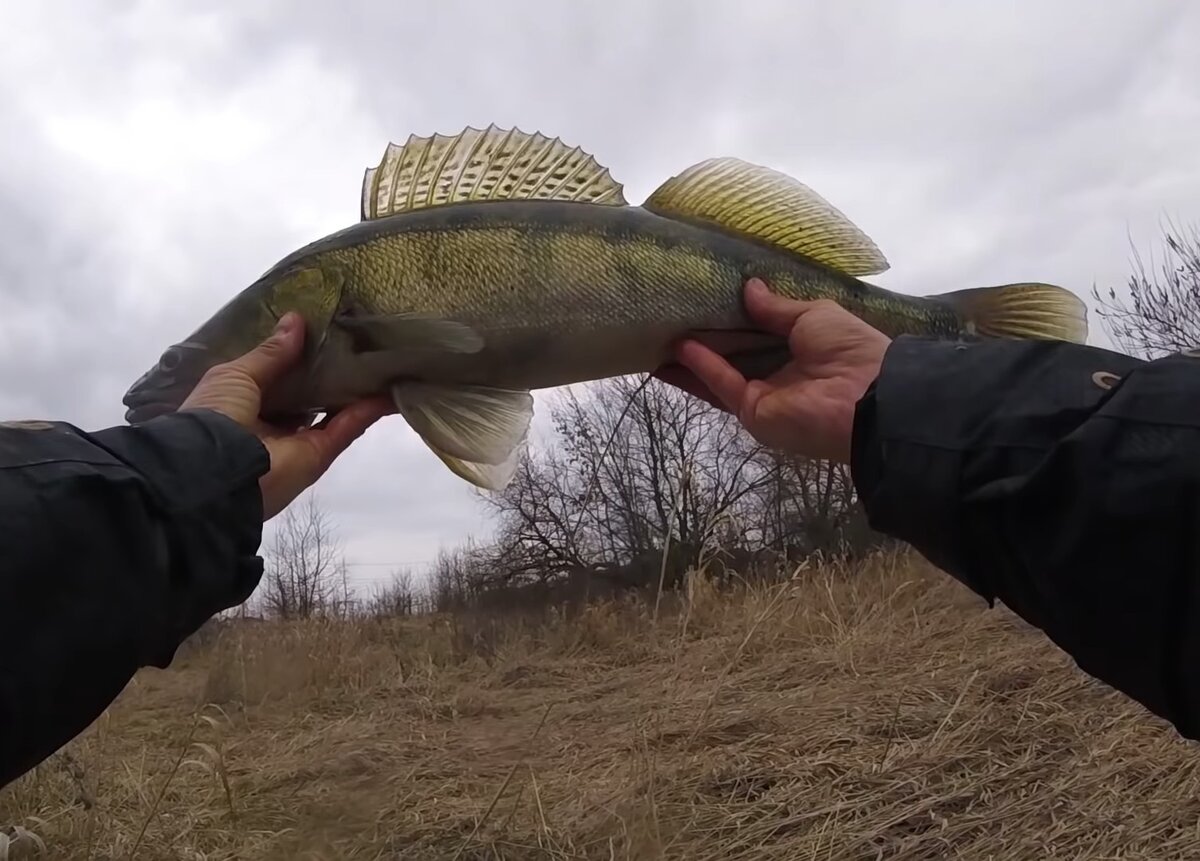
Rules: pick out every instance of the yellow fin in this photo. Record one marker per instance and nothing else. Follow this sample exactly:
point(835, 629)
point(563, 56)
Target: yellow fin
point(1035, 311)
point(487, 164)
point(769, 206)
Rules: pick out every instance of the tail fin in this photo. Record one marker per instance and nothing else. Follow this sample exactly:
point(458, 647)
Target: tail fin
point(1036, 311)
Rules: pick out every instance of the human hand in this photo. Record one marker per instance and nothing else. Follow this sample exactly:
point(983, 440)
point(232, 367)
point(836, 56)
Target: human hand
point(299, 455)
point(807, 407)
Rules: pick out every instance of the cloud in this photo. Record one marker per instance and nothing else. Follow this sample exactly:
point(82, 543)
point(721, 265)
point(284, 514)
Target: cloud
point(157, 158)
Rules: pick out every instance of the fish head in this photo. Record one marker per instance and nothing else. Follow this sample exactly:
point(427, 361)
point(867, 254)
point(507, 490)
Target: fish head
point(235, 329)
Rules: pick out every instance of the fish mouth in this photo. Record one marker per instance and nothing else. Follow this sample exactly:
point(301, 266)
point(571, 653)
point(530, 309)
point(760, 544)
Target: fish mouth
point(162, 388)
point(142, 405)
point(145, 412)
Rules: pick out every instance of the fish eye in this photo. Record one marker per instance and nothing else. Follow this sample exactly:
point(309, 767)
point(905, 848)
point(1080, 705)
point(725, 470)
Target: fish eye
point(171, 359)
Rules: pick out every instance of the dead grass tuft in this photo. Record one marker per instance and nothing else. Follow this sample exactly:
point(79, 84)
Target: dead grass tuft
point(866, 712)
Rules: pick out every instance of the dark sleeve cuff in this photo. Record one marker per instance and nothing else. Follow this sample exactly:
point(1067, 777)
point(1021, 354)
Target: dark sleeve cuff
point(202, 470)
point(191, 458)
point(909, 492)
point(116, 546)
point(945, 420)
point(1063, 480)
point(907, 482)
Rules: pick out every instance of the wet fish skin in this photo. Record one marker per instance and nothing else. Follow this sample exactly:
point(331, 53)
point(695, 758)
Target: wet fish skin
point(459, 307)
point(560, 291)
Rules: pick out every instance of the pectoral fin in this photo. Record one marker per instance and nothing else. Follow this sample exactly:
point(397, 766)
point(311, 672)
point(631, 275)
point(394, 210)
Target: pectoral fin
point(478, 431)
point(410, 333)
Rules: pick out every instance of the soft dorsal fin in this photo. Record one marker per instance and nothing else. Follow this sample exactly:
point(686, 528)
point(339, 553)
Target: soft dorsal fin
point(769, 206)
point(487, 164)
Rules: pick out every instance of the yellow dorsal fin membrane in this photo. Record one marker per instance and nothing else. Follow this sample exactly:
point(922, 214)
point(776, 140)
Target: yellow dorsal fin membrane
point(1035, 311)
point(483, 164)
point(769, 206)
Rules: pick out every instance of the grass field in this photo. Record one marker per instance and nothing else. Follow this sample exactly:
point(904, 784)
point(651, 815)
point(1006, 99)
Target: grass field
point(875, 713)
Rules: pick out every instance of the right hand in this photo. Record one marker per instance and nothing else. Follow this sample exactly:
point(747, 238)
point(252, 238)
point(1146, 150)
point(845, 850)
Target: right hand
point(299, 455)
point(807, 407)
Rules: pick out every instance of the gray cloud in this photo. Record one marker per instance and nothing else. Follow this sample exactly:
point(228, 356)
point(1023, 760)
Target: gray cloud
point(156, 159)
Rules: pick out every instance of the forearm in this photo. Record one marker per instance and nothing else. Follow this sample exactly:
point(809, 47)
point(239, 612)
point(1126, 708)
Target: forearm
point(117, 545)
point(1063, 480)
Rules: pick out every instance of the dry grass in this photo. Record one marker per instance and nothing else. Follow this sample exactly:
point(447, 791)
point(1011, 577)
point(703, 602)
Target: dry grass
point(870, 714)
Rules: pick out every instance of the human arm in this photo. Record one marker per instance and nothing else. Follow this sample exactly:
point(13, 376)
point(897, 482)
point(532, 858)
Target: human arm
point(1062, 479)
point(116, 545)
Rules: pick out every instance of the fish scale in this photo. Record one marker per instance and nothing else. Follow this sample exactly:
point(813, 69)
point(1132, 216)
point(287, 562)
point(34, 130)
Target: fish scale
point(495, 262)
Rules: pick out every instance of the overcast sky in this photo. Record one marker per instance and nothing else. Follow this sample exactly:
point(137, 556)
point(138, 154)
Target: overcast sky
point(156, 157)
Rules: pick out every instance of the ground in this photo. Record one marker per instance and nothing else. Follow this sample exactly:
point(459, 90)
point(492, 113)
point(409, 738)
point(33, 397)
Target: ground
point(879, 712)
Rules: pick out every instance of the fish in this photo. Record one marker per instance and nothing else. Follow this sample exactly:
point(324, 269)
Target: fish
point(494, 262)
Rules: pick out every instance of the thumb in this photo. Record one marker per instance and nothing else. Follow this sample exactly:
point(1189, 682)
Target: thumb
point(266, 362)
point(346, 426)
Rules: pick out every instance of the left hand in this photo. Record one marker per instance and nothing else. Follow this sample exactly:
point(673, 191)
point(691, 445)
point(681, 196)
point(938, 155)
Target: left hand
point(807, 407)
point(298, 456)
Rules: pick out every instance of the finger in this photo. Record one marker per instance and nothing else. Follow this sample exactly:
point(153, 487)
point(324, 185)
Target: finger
point(681, 378)
point(267, 362)
point(777, 314)
point(287, 424)
point(720, 377)
point(298, 461)
point(344, 427)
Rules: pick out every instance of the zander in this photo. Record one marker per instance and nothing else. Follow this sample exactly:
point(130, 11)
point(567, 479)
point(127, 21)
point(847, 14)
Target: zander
point(494, 262)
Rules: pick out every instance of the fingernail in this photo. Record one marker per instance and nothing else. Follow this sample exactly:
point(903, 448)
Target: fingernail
point(756, 284)
point(287, 323)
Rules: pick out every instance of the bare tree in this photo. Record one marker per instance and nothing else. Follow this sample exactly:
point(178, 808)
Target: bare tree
point(643, 471)
point(645, 484)
point(1162, 314)
point(809, 506)
point(305, 572)
point(399, 596)
point(460, 575)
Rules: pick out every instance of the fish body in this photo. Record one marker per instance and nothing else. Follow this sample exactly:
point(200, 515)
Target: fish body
point(563, 291)
point(493, 263)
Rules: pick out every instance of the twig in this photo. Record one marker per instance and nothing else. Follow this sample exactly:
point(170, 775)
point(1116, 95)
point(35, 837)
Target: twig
point(662, 571)
point(500, 792)
point(187, 745)
point(780, 591)
point(953, 708)
point(603, 454)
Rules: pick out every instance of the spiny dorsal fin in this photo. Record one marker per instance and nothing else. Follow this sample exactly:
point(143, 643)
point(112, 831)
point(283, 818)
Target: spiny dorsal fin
point(487, 164)
point(769, 206)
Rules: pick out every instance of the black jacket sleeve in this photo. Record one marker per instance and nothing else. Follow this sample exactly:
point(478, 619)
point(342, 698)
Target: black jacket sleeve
point(1063, 480)
point(114, 547)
